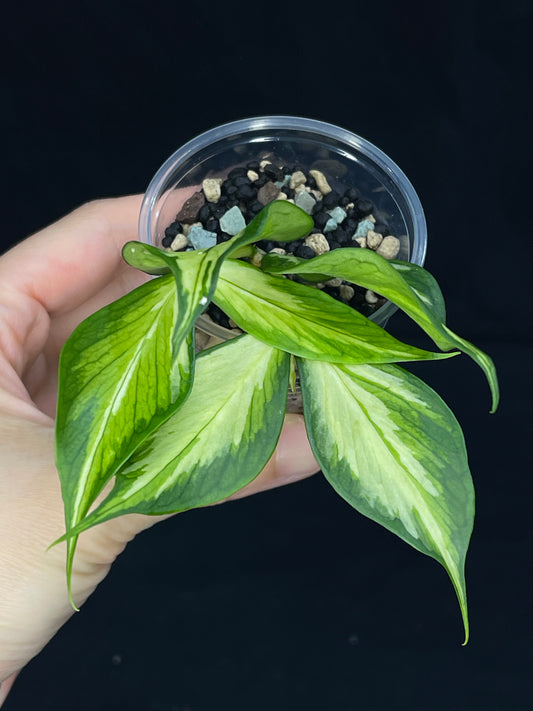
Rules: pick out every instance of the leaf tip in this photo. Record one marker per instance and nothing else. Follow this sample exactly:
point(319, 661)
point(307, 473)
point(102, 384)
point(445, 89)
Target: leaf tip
point(466, 625)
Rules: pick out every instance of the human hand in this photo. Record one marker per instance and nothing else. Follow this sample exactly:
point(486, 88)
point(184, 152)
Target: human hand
point(48, 284)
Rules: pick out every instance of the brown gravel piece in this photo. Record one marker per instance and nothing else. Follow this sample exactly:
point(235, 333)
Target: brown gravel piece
point(268, 193)
point(189, 212)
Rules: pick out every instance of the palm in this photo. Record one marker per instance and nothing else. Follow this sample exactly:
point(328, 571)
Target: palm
point(50, 283)
point(46, 292)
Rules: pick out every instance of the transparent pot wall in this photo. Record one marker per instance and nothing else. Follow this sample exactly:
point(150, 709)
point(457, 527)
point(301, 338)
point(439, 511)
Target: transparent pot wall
point(346, 159)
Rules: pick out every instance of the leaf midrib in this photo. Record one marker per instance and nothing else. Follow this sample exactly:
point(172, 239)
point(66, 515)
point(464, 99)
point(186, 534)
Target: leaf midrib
point(413, 482)
point(183, 452)
point(307, 320)
point(89, 462)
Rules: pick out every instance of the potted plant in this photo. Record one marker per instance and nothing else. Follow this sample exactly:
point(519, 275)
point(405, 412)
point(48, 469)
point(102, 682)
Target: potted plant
point(177, 429)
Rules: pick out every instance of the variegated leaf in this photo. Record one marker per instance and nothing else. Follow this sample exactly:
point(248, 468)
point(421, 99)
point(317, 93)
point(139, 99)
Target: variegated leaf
point(305, 321)
point(115, 388)
point(407, 285)
point(219, 441)
point(392, 448)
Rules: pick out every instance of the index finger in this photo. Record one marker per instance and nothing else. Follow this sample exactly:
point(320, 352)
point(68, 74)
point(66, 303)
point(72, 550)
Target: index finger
point(70, 261)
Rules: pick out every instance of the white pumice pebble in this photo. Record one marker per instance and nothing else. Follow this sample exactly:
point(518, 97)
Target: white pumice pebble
point(321, 182)
point(373, 239)
point(211, 188)
point(258, 258)
point(252, 175)
point(264, 162)
point(361, 241)
point(179, 242)
point(278, 250)
point(389, 247)
point(371, 297)
point(371, 218)
point(317, 242)
point(336, 281)
point(297, 178)
point(282, 196)
point(346, 292)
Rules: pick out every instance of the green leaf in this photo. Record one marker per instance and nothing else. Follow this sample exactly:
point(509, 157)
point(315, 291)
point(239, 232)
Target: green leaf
point(196, 272)
point(305, 321)
point(115, 388)
point(279, 221)
point(407, 285)
point(219, 441)
point(392, 448)
point(427, 290)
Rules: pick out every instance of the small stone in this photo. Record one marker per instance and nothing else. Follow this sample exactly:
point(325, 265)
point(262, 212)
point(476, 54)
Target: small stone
point(246, 193)
point(373, 239)
point(211, 188)
point(232, 221)
point(305, 252)
point(263, 164)
point(361, 241)
point(336, 281)
point(338, 214)
point(297, 178)
point(389, 247)
point(278, 250)
point(258, 257)
point(267, 193)
point(282, 183)
point(306, 201)
point(282, 196)
point(187, 228)
point(191, 208)
point(346, 292)
point(179, 242)
point(321, 182)
point(200, 238)
point(362, 229)
point(272, 172)
point(331, 200)
point(317, 242)
point(371, 297)
point(364, 207)
point(252, 175)
point(330, 225)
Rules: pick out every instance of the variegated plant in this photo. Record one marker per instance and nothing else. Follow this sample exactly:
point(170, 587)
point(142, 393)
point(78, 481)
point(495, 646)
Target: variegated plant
point(178, 431)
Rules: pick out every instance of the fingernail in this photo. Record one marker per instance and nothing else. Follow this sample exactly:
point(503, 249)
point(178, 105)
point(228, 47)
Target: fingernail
point(294, 457)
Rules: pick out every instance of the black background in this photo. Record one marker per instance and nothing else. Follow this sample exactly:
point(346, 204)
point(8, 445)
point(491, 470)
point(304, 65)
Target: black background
point(290, 600)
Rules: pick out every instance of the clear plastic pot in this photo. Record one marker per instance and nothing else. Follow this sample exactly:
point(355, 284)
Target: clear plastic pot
point(345, 158)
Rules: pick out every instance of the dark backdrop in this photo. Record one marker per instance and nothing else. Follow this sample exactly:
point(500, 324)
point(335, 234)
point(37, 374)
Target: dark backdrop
point(290, 600)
